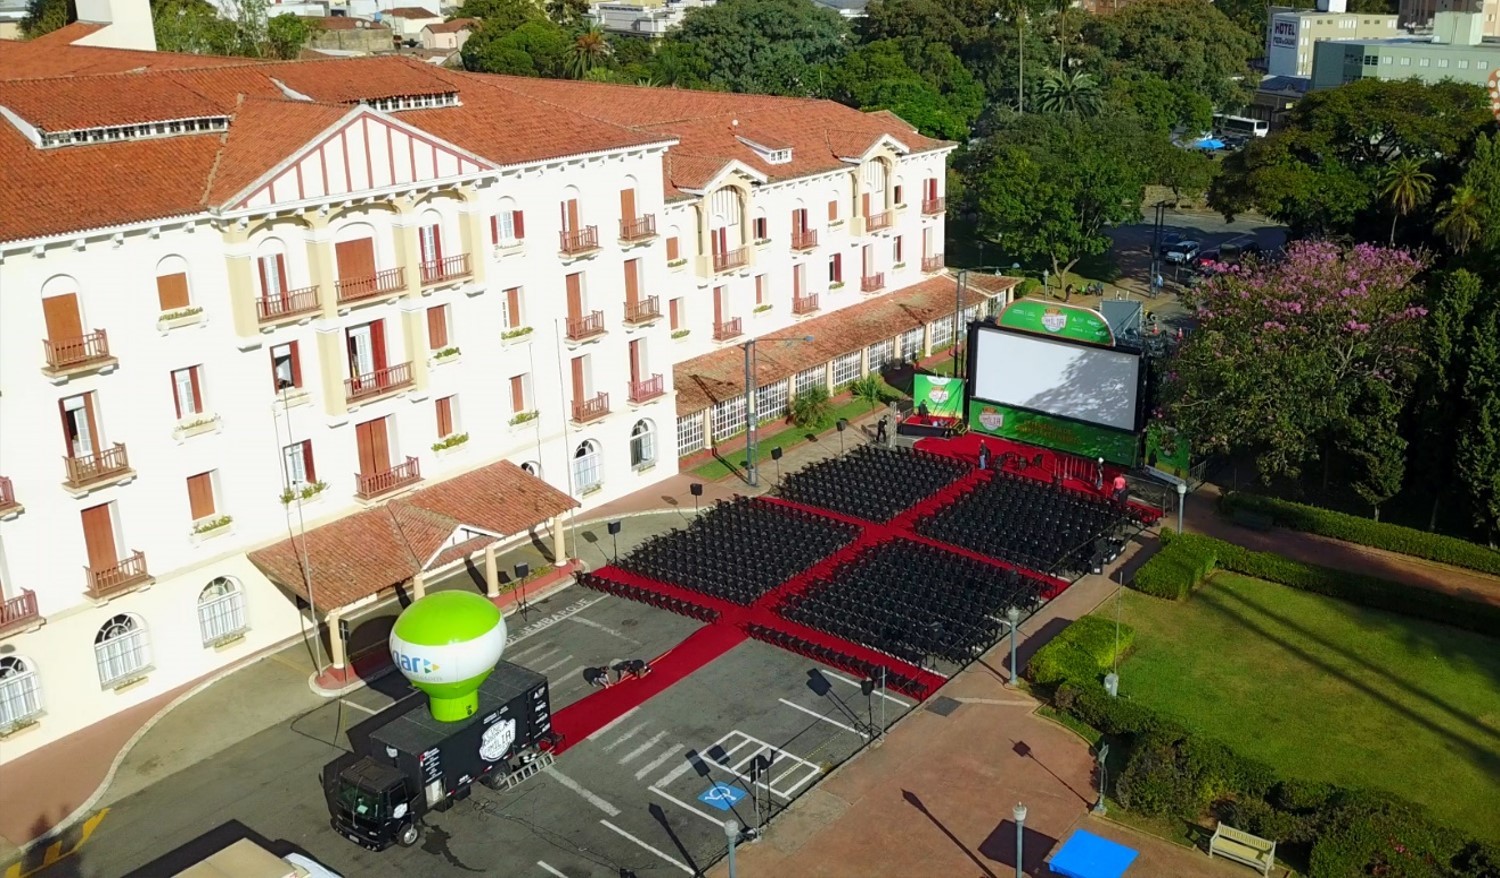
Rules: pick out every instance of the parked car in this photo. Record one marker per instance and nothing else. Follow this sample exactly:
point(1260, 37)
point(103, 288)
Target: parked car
point(1168, 241)
point(1235, 251)
point(1182, 252)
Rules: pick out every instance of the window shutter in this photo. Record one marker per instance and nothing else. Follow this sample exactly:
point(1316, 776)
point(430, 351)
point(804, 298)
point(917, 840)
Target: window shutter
point(307, 461)
point(494, 230)
point(760, 289)
point(513, 306)
point(197, 390)
point(676, 316)
point(176, 398)
point(296, 365)
point(445, 416)
point(260, 266)
point(833, 210)
point(672, 248)
point(437, 327)
point(517, 394)
point(520, 223)
point(172, 291)
point(200, 496)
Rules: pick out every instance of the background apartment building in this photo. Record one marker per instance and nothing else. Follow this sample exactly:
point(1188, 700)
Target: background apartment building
point(1456, 50)
point(1292, 34)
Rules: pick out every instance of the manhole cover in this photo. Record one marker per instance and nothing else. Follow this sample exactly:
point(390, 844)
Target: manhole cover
point(629, 623)
point(943, 705)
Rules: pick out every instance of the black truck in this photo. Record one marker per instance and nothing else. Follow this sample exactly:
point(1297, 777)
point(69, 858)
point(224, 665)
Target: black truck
point(404, 763)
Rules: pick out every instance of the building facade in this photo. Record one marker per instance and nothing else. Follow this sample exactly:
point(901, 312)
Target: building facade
point(642, 18)
point(1294, 34)
point(321, 310)
point(1455, 51)
point(1422, 14)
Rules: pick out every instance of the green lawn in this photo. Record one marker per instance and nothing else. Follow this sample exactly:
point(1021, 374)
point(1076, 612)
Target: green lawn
point(1325, 690)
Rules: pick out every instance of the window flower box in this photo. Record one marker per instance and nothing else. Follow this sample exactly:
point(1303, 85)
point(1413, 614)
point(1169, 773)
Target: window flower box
point(676, 264)
point(762, 242)
point(836, 285)
point(680, 334)
point(517, 336)
point(761, 309)
point(195, 425)
point(447, 355)
point(593, 489)
point(303, 494)
point(833, 224)
point(898, 266)
point(450, 444)
point(209, 528)
point(292, 397)
point(170, 320)
point(521, 422)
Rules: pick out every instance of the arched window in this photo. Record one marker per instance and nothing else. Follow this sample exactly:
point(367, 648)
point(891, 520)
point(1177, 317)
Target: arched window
point(588, 468)
point(532, 467)
point(20, 692)
point(121, 649)
point(172, 284)
point(430, 242)
point(642, 444)
point(271, 269)
point(221, 611)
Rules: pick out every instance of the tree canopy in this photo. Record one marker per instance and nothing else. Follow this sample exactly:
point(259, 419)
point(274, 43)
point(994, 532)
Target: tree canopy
point(938, 95)
point(1186, 42)
point(780, 47)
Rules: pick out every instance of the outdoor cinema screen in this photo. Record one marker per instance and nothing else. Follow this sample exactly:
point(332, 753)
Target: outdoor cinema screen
point(1090, 384)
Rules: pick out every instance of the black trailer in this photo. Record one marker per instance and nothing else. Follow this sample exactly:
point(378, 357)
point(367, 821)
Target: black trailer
point(404, 763)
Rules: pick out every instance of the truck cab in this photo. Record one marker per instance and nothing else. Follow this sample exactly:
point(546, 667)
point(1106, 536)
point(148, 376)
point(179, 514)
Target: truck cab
point(372, 804)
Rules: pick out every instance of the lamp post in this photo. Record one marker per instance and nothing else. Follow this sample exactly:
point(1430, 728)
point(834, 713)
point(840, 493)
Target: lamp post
point(1020, 814)
point(523, 570)
point(752, 471)
point(958, 312)
point(1181, 501)
point(1099, 807)
point(1013, 616)
point(732, 833)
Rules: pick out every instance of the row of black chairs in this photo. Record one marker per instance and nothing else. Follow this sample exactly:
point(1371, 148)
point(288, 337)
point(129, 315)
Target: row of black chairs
point(739, 550)
point(646, 596)
point(835, 658)
point(915, 602)
point(1030, 523)
point(873, 483)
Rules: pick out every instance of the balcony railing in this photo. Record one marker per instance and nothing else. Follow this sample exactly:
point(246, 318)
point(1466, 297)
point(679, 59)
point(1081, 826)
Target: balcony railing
point(575, 241)
point(588, 326)
point(804, 239)
point(18, 612)
point(379, 382)
point(932, 263)
point(381, 283)
point(7, 494)
point(63, 353)
point(596, 406)
point(651, 388)
point(288, 304)
point(129, 572)
point(805, 304)
point(638, 229)
point(643, 311)
point(727, 330)
point(877, 221)
point(932, 206)
point(731, 259)
point(393, 479)
point(436, 271)
point(98, 466)
point(872, 282)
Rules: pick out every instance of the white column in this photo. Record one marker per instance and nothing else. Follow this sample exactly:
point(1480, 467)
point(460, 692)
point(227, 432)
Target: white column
point(560, 539)
point(491, 573)
point(335, 642)
point(418, 586)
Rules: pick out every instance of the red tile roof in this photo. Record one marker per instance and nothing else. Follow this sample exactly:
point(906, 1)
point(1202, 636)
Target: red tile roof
point(715, 377)
point(370, 551)
point(411, 12)
point(263, 134)
point(451, 27)
point(50, 55)
point(101, 101)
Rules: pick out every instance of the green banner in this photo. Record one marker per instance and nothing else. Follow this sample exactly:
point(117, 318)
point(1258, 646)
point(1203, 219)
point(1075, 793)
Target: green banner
point(1167, 451)
point(1034, 428)
point(1057, 320)
point(943, 396)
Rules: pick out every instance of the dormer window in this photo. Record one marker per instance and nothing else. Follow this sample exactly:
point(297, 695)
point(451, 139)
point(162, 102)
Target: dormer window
point(771, 155)
point(412, 102)
point(142, 131)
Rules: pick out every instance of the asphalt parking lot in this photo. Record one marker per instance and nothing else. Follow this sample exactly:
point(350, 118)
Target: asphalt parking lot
point(646, 795)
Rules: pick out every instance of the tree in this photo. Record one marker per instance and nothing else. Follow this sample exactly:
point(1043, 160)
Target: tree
point(1077, 94)
point(878, 76)
point(589, 50)
point(1478, 456)
point(678, 65)
point(1439, 393)
point(1405, 186)
point(765, 46)
point(567, 13)
point(503, 16)
point(1295, 357)
point(288, 34)
point(46, 16)
point(1373, 441)
point(1162, 106)
point(1188, 42)
point(536, 48)
point(1459, 221)
point(928, 20)
point(1187, 172)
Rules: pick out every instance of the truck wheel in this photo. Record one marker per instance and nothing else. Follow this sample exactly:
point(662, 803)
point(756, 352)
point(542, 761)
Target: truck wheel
point(408, 835)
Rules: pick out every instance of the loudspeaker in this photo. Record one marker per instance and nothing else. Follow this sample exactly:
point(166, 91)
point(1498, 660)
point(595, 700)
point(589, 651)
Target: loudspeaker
point(614, 527)
point(522, 570)
point(775, 453)
point(696, 488)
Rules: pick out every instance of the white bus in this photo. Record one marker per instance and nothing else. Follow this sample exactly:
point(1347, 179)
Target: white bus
point(1240, 125)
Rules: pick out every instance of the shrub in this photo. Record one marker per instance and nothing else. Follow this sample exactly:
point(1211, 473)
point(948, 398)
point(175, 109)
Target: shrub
point(1374, 834)
point(1029, 286)
point(1113, 716)
point(1152, 782)
point(1081, 653)
point(1176, 570)
point(811, 408)
point(1175, 772)
point(1257, 817)
point(1363, 531)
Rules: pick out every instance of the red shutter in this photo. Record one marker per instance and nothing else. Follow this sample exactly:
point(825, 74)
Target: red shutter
point(200, 496)
point(445, 416)
point(513, 307)
point(760, 289)
point(676, 318)
point(632, 282)
point(833, 210)
point(172, 291)
point(197, 390)
point(176, 402)
point(520, 224)
point(296, 365)
point(260, 266)
point(494, 230)
point(672, 247)
point(517, 394)
point(307, 460)
point(437, 327)
point(377, 345)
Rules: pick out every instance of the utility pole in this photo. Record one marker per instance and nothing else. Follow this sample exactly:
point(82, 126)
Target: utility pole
point(752, 472)
point(960, 287)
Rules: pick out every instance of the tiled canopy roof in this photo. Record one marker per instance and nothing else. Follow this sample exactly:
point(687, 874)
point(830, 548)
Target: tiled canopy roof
point(715, 377)
point(368, 552)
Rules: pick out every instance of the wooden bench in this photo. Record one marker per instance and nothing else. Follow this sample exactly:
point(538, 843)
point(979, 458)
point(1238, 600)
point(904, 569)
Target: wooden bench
point(1242, 847)
point(1252, 519)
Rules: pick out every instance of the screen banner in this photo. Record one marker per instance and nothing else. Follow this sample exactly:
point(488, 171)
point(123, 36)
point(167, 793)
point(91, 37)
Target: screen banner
point(1058, 321)
point(1034, 428)
point(943, 396)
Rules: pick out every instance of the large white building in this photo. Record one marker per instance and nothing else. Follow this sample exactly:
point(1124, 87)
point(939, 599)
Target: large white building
point(279, 337)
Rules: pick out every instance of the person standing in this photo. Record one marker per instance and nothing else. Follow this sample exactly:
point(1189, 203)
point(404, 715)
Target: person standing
point(881, 437)
point(984, 455)
point(1121, 489)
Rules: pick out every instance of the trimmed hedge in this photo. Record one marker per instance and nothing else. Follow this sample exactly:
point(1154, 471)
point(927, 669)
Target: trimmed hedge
point(1364, 532)
point(1083, 652)
point(1176, 570)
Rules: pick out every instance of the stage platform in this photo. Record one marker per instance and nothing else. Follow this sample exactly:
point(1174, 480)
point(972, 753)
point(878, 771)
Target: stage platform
point(928, 426)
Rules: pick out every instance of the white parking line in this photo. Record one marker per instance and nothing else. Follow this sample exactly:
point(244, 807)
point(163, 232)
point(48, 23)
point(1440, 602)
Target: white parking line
point(357, 706)
point(717, 821)
point(532, 651)
point(856, 684)
point(814, 714)
point(550, 870)
point(588, 796)
point(659, 761)
point(650, 742)
point(609, 726)
point(553, 667)
point(623, 738)
point(628, 837)
point(547, 622)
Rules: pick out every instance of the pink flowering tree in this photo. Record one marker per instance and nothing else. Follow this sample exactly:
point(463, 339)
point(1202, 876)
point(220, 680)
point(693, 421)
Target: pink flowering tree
point(1297, 357)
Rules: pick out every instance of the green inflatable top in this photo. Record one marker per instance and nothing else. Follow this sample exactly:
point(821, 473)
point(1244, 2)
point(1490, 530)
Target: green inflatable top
point(446, 617)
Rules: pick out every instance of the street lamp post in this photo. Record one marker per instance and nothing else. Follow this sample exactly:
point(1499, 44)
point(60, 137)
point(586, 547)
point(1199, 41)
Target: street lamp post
point(1013, 616)
point(958, 313)
point(1020, 814)
point(1181, 501)
point(752, 443)
point(732, 833)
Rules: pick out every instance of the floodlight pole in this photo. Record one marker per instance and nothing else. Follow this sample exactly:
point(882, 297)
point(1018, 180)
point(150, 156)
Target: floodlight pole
point(1013, 616)
point(958, 312)
point(752, 472)
point(1019, 813)
point(732, 833)
point(1099, 807)
point(1181, 502)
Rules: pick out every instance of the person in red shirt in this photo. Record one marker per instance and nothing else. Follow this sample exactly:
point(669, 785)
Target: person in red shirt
point(1121, 489)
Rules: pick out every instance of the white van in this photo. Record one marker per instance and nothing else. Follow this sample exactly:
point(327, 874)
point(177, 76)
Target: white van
point(246, 859)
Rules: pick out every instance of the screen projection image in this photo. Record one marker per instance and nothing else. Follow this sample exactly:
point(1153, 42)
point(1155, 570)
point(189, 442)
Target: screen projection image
point(1089, 384)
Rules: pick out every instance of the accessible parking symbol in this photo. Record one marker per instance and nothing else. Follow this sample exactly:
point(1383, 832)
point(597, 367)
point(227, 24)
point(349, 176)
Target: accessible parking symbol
point(721, 796)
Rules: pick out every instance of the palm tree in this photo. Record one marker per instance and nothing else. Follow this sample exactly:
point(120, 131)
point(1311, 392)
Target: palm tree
point(589, 50)
point(1077, 94)
point(1459, 223)
point(1406, 187)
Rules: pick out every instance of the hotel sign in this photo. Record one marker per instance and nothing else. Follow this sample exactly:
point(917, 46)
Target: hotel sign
point(1284, 33)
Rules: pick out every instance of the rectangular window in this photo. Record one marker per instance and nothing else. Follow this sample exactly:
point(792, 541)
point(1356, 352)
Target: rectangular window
point(297, 463)
point(807, 379)
point(447, 416)
point(430, 243)
point(200, 490)
point(881, 354)
point(896, 258)
point(728, 418)
point(187, 392)
point(272, 275)
point(762, 232)
point(505, 228)
point(437, 327)
point(286, 366)
point(512, 316)
point(520, 393)
point(172, 291)
point(760, 289)
point(690, 433)
point(674, 247)
point(911, 345)
point(771, 401)
point(833, 210)
point(897, 194)
point(676, 316)
point(846, 369)
point(836, 268)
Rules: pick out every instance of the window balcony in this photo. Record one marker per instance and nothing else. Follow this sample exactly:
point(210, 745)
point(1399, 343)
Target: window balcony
point(727, 330)
point(381, 283)
point(805, 304)
point(577, 242)
point(393, 479)
point(729, 260)
point(804, 239)
point(584, 328)
point(125, 575)
point(19, 613)
point(932, 264)
point(71, 356)
point(363, 388)
point(877, 221)
point(643, 311)
point(590, 409)
point(641, 228)
point(98, 469)
point(932, 206)
point(872, 283)
point(287, 305)
point(645, 391)
point(449, 268)
point(8, 504)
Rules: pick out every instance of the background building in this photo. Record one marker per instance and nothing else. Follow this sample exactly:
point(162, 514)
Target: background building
point(1456, 50)
point(1292, 34)
point(1420, 14)
point(642, 18)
